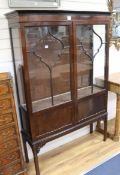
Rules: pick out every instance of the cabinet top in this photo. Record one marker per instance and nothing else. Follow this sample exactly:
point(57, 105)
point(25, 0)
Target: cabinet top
point(54, 12)
point(20, 17)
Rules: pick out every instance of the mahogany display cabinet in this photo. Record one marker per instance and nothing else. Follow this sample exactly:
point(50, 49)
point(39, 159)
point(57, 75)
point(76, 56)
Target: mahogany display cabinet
point(57, 56)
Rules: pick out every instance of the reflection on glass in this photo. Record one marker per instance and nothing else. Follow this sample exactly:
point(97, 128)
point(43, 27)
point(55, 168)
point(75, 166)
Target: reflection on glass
point(18, 64)
point(90, 58)
point(49, 65)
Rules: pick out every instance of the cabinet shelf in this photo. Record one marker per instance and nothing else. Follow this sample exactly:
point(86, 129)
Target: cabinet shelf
point(63, 98)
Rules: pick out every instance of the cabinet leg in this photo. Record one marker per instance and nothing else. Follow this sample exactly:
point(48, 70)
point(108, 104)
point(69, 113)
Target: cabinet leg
point(25, 150)
point(105, 128)
point(36, 160)
point(91, 128)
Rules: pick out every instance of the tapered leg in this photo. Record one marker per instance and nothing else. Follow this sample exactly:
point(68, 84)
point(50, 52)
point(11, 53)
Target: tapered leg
point(105, 128)
point(25, 150)
point(91, 128)
point(36, 160)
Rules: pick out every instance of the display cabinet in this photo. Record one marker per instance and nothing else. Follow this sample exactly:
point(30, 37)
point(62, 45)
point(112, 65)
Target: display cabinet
point(57, 56)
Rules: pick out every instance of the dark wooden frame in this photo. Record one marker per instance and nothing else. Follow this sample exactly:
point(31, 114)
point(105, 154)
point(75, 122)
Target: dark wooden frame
point(21, 19)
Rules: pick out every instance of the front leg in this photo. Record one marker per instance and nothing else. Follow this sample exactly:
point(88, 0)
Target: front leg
point(36, 161)
point(91, 128)
point(25, 149)
point(105, 128)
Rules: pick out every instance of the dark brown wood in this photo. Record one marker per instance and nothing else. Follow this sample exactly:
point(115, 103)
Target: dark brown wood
point(105, 129)
point(36, 160)
point(60, 96)
point(91, 128)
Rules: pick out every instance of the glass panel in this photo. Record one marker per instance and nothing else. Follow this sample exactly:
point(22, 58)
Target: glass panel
point(90, 58)
point(18, 64)
point(99, 60)
point(49, 65)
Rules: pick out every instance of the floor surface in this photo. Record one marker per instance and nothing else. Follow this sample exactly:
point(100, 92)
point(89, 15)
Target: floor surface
point(76, 157)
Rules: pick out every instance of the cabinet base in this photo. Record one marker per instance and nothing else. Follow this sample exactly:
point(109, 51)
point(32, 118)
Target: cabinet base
point(36, 145)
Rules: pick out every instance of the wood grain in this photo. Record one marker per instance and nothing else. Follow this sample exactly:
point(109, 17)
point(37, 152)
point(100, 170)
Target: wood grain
point(11, 158)
point(117, 121)
point(76, 157)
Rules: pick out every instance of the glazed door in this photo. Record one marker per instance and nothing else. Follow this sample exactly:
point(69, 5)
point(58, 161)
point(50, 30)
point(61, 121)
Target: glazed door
point(49, 65)
point(50, 73)
point(90, 51)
